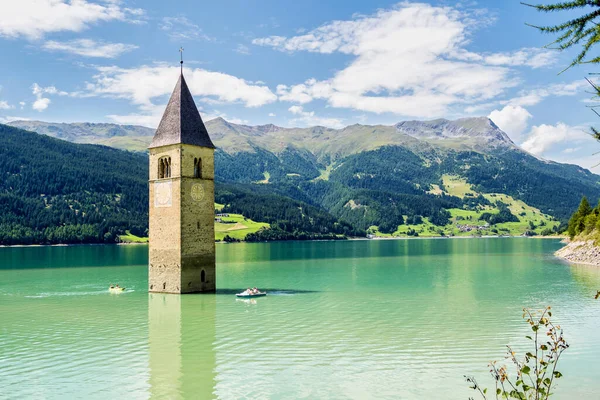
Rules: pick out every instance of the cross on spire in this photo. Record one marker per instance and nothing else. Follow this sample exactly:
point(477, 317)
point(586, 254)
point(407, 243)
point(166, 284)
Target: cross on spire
point(181, 59)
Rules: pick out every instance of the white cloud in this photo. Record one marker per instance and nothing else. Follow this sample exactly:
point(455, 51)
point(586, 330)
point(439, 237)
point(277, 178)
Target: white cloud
point(38, 90)
point(511, 119)
point(142, 85)
point(564, 143)
point(90, 48)
point(409, 60)
point(34, 18)
point(535, 96)
point(307, 118)
point(181, 28)
point(5, 106)
point(544, 138)
point(149, 120)
point(304, 92)
point(146, 85)
point(41, 103)
point(242, 49)
point(583, 160)
point(272, 115)
point(530, 57)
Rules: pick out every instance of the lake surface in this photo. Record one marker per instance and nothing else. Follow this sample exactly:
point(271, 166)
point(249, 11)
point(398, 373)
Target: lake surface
point(343, 320)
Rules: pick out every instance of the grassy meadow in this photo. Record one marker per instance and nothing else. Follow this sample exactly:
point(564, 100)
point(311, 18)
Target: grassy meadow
point(234, 225)
point(530, 218)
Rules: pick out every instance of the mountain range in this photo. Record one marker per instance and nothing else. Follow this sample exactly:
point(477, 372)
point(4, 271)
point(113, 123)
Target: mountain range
point(368, 176)
point(468, 133)
point(126, 137)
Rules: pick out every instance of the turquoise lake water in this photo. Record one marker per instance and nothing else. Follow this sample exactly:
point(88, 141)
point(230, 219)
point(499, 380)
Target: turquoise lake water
point(364, 319)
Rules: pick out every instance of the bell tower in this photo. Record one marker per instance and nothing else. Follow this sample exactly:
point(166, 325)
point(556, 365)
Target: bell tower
point(182, 211)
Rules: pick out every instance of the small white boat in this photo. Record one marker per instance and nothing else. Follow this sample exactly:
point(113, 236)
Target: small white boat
point(116, 289)
point(245, 295)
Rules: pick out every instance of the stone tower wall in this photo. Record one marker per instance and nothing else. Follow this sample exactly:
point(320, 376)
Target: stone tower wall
point(198, 220)
point(164, 221)
point(182, 239)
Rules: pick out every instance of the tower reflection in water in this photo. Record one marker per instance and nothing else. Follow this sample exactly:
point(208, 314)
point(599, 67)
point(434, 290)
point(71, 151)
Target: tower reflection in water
point(181, 337)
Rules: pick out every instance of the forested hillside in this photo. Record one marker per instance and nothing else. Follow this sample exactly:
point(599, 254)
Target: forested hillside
point(410, 157)
point(289, 219)
point(366, 177)
point(53, 191)
point(427, 178)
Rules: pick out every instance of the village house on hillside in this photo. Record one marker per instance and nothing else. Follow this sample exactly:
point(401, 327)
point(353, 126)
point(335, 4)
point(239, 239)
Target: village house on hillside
point(470, 228)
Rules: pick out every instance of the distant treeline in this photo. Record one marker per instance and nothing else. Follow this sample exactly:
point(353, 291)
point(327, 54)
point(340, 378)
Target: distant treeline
point(52, 191)
point(289, 219)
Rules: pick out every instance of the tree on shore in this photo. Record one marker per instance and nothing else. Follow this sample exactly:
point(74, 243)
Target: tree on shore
point(579, 219)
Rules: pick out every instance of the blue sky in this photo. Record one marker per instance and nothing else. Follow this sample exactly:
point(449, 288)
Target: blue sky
point(332, 63)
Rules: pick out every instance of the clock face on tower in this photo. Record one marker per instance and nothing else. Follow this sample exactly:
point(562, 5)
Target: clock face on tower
point(197, 192)
point(162, 194)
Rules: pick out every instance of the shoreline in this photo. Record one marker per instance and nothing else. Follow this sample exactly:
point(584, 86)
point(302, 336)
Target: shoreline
point(70, 244)
point(582, 251)
point(460, 237)
point(317, 240)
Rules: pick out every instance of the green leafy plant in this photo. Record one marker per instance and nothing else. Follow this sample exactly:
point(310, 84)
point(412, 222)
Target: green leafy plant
point(535, 374)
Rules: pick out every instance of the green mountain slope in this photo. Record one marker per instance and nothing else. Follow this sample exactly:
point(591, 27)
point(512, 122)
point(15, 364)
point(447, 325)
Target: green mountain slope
point(389, 176)
point(364, 177)
point(53, 191)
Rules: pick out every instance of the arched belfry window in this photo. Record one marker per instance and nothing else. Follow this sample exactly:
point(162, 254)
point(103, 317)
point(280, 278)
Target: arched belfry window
point(164, 167)
point(197, 168)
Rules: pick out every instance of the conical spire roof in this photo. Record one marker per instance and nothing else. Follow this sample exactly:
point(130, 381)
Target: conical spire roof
point(181, 123)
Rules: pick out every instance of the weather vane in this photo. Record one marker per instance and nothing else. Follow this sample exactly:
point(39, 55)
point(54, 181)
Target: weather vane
point(181, 59)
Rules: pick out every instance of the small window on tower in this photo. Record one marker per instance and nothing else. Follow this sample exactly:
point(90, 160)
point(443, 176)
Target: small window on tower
point(197, 168)
point(164, 167)
point(161, 168)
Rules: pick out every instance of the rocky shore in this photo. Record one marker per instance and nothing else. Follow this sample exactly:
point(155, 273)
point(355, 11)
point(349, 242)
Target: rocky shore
point(580, 252)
